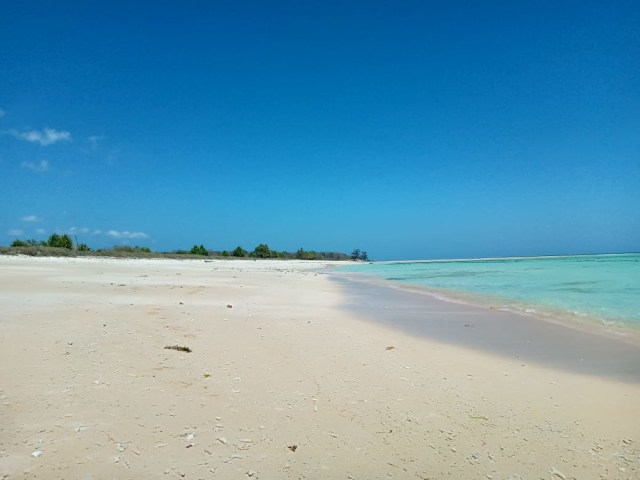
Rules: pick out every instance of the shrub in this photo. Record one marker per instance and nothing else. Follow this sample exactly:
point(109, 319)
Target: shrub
point(60, 241)
point(19, 243)
point(83, 247)
point(302, 255)
point(199, 250)
point(263, 251)
point(239, 252)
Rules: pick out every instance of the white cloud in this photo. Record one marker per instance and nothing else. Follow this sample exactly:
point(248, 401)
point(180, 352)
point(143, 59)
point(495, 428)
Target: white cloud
point(126, 234)
point(48, 136)
point(40, 231)
point(15, 232)
point(43, 166)
point(78, 230)
point(31, 218)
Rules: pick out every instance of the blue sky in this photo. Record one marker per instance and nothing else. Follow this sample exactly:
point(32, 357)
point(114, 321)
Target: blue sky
point(407, 129)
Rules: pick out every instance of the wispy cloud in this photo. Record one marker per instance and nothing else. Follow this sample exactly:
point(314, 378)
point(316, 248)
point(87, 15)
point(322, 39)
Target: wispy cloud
point(79, 230)
point(43, 166)
point(94, 140)
point(125, 234)
point(2, 113)
point(31, 218)
point(15, 232)
point(40, 231)
point(119, 234)
point(48, 136)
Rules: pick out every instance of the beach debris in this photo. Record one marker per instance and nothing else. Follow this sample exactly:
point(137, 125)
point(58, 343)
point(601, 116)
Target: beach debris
point(36, 453)
point(557, 473)
point(251, 473)
point(478, 417)
point(293, 447)
point(229, 305)
point(206, 375)
point(390, 347)
point(222, 440)
point(178, 348)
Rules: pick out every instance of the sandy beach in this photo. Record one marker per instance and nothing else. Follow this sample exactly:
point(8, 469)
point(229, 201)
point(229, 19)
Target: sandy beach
point(291, 374)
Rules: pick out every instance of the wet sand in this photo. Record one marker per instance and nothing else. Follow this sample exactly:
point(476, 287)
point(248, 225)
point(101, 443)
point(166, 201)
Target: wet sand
point(290, 375)
point(587, 350)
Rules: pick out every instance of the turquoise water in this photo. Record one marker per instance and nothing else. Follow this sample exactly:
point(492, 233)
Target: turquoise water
point(605, 288)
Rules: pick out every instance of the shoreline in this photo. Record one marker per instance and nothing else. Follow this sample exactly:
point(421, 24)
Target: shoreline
point(519, 257)
point(610, 328)
point(574, 347)
point(284, 380)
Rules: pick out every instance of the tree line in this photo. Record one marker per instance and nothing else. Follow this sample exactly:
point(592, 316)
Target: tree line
point(263, 250)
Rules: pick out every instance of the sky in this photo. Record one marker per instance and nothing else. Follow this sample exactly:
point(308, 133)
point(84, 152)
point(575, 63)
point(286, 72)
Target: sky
point(409, 129)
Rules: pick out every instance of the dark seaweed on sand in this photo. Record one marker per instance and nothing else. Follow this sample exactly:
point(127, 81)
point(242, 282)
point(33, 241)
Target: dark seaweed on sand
point(179, 348)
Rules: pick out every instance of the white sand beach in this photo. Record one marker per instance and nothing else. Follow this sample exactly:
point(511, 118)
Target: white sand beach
point(281, 382)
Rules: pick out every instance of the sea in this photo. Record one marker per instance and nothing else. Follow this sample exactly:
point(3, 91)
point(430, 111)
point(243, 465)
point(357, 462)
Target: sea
point(592, 288)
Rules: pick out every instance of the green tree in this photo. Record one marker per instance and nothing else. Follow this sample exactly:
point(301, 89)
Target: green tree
point(263, 251)
point(60, 241)
point(303, 255)
point(199, 250)
point(83, 247)
point(19, 243)
point(239, 252)
point(355, 255)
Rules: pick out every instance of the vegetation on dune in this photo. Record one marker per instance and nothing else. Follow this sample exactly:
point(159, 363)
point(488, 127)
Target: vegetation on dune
point(129, 249)
point(28, 243)
point(263, 251)
point(199, 250)
point(239, 252)
point(301, 254)
point(63, 245)
point(83, 247)
point(60, 241)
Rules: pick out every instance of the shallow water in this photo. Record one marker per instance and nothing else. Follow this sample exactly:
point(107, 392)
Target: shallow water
point(605, 288)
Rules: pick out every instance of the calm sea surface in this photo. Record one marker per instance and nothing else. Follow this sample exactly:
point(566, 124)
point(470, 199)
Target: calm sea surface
point(605, 288)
